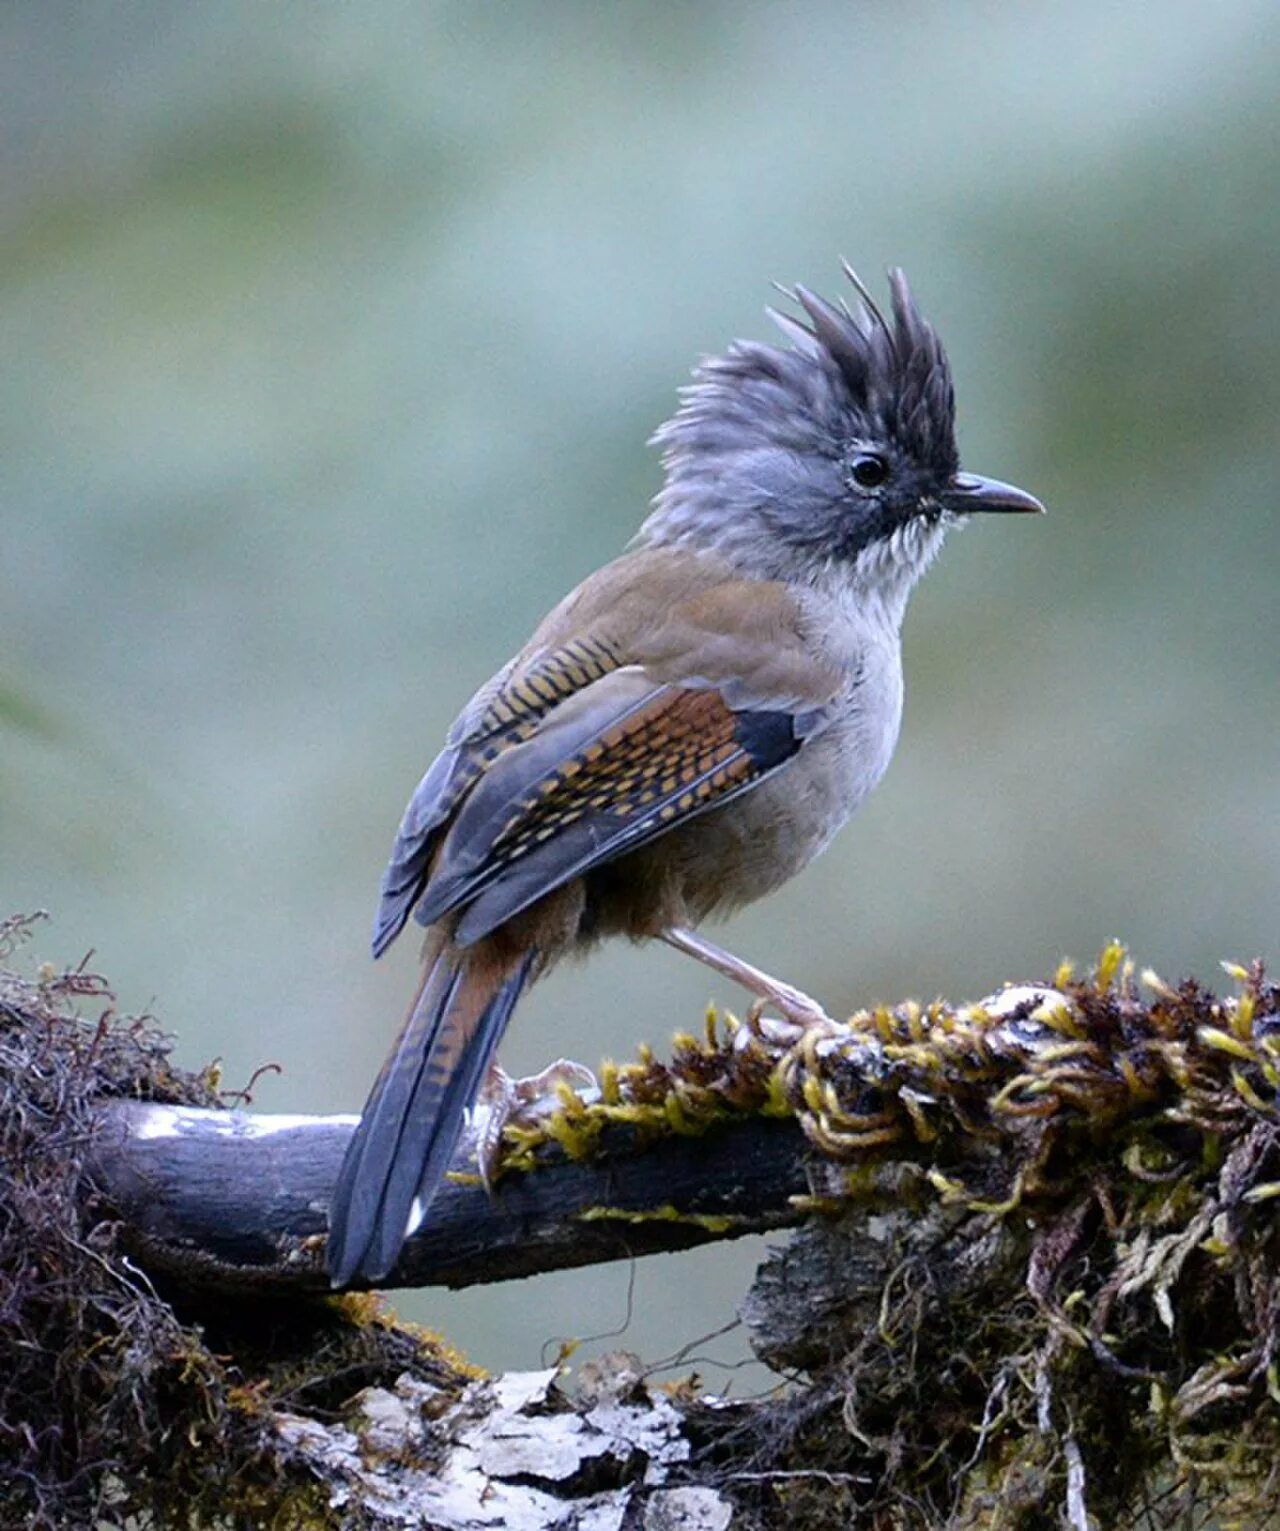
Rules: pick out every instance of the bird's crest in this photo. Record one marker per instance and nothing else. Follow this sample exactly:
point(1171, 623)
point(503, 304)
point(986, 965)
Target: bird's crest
point(848, 368)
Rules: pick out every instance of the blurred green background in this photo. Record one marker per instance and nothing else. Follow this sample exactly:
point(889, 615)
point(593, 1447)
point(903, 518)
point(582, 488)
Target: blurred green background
point(331, 338)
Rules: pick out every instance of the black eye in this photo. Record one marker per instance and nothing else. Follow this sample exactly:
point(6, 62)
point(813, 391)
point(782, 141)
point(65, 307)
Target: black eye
point(869, 471)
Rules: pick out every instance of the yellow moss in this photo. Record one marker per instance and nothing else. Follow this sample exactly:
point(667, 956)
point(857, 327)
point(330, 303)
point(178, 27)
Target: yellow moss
point(1157, 985)
point(921, 1126)
point(666, 1213)
point(365, 1309)
point(832, 1206)
point(566, 1129)
point(357, 1307)
point(251, 1398)
point(1016, 1086)
point(677, 1120)
point(639, 1114)
point(1214, 1036)
point(1138, 1088)
point(882, 1019)
point(862, 1181)
point(1113, 954)
point(776, 1101)
point(949, 1189)
point(1001, 1208)
point(1248, 1094)
point(1058, 1017)
point(1263, 1192)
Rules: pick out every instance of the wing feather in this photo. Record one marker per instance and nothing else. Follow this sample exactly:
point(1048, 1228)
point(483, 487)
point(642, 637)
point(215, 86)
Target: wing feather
point(504, 713)
point(627, 762)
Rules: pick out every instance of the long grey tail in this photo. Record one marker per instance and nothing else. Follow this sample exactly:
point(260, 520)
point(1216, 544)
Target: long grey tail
point(413, 1118)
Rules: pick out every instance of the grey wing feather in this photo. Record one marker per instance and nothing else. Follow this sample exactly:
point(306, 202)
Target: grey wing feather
point(456, 768)
point(464, 862)
point(410, 862)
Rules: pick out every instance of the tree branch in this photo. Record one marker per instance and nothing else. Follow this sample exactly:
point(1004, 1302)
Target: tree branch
point(238, 1199)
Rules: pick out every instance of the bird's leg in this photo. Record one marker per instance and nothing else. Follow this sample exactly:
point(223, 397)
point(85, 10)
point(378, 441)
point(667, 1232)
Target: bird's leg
point(504, 1099)
point(793, 1004)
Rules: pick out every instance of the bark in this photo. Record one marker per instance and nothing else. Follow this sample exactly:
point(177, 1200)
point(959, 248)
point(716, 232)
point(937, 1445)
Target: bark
point(236, 1199)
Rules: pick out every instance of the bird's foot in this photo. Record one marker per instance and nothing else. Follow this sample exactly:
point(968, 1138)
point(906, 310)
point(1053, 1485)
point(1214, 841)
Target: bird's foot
point(522, 1101)
point(538, 1093)
point(800, 1014)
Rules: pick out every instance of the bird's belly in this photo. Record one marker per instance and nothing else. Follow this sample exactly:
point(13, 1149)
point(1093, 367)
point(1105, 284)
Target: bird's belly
point(741, 851)
point(738, 852)
point(746, 849)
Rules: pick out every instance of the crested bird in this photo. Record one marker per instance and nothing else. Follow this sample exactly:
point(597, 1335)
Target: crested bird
point(685, 731)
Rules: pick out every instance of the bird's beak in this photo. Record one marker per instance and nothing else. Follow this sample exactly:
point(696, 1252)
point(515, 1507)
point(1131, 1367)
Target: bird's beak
point(968, 493)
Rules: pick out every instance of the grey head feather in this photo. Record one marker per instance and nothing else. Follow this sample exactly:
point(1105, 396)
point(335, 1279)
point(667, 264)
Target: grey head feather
point(758, 457)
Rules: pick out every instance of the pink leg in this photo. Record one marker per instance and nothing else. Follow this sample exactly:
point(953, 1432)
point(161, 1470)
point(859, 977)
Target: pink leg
point(794, 1005)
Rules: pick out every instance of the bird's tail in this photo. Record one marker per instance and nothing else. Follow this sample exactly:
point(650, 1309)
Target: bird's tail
point(413, 1118)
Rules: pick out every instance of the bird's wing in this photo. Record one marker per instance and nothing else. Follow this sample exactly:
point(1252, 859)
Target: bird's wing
point(700, 705)
point(504, 713)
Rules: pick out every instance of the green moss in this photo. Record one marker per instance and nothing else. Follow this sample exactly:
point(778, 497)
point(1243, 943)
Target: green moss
point(1119, 1144)
point(1108, 1163)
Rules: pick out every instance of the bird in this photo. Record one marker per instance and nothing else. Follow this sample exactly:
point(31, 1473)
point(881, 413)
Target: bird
point(685, 731)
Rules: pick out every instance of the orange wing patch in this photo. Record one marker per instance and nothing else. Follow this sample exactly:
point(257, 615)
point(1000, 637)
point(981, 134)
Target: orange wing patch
point(528, 695)
point(516, 711)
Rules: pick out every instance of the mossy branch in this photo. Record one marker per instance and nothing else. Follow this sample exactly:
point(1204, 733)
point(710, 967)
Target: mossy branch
point(748, 1128)
point(233, 1201)
point(1038, 1278)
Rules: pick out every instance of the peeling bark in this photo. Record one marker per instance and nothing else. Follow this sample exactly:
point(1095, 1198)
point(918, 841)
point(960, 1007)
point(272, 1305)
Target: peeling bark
point(520, 1457)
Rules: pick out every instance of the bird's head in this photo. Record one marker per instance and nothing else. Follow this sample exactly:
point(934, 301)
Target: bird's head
point(831, 459)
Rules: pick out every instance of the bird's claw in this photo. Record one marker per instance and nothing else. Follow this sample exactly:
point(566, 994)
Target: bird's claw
point(535, 1090)
point(503, 1099)
point(800, 1015)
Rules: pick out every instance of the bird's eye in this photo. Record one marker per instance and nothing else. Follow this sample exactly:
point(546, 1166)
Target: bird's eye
point(869, 471)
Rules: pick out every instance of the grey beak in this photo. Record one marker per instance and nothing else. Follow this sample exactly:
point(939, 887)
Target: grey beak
point(969, 493)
